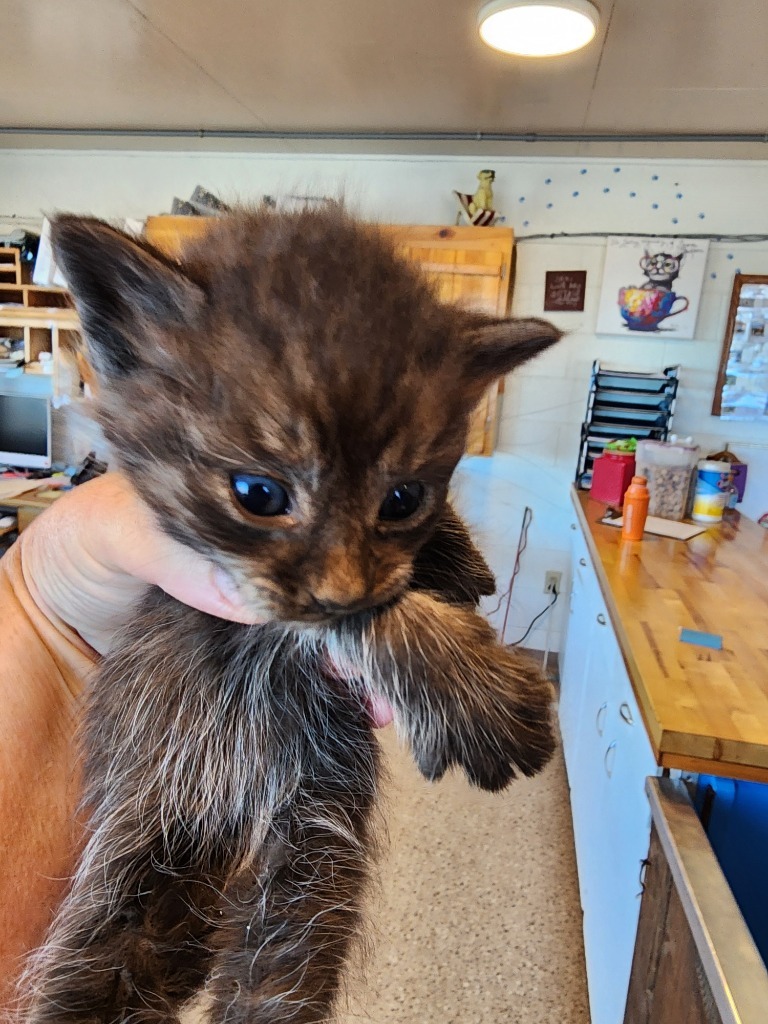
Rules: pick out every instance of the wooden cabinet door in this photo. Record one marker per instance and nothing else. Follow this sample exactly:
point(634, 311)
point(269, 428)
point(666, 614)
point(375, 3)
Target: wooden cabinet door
point(473, 268)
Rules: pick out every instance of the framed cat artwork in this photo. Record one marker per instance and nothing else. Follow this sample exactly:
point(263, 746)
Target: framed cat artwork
point(652, 286)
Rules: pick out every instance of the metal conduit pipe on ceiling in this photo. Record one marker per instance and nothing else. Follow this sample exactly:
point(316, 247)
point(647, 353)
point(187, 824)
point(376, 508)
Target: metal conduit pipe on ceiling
point(388, 136)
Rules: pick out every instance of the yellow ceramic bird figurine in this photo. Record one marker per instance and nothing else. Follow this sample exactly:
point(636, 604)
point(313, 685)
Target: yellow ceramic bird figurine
point(478, 208)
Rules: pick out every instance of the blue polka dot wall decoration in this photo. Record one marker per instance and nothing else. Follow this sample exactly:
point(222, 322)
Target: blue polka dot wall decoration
point(606, 189)
point(654, 177)
point(633, 195)
point(521, 199)
point(729, 256)
point(549, 206)
point(738, 270)
point(526, 223)
point(679, 195)
point(702, 216)
point(654, 206)
point(616, 170)
point(713, 275)
point(583, 170)
point(674, 220)
point(575, 194)
point(547, 181)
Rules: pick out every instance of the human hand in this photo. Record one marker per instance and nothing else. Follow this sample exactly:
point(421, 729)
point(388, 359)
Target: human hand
point(92, 555)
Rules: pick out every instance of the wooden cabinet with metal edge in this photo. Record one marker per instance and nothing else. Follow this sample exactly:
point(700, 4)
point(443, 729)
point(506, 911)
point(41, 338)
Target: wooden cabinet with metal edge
point(695, 961)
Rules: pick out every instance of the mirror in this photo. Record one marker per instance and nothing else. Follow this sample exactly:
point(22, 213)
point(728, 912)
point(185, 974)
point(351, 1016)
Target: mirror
point(741, 392)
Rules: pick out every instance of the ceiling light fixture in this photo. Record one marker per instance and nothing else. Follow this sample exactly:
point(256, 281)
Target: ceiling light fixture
point(537, 28)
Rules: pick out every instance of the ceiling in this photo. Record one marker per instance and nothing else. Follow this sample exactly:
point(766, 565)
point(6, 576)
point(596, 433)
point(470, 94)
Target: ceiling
point(406, 66)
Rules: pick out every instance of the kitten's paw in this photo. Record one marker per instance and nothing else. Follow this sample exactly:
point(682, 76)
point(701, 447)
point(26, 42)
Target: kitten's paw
point(492, 734)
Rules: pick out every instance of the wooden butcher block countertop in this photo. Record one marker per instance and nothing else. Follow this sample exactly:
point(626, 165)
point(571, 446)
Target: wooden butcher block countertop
point(705, 710)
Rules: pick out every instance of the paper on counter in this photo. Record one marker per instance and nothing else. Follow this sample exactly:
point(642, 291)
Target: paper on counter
point(665, 527)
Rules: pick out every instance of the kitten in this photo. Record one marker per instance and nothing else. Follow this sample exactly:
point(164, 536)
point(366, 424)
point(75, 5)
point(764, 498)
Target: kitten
point(291, 401)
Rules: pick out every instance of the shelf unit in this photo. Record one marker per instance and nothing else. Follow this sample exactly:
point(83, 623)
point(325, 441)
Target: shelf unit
point(623, 404)
point(42, 316)
point(10, 267)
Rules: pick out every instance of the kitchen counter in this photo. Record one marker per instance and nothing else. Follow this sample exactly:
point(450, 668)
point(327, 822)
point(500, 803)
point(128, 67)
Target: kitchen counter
point(704, 710)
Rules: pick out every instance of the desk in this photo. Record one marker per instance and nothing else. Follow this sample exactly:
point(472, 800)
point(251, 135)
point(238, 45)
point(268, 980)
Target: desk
point(29, 505)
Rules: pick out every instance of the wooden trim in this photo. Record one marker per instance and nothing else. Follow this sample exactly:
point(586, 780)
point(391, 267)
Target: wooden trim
point(706, 766)
point(738, 281)
point(466, 269)
point(734, 969)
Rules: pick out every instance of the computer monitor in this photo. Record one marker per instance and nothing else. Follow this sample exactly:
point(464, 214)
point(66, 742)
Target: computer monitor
point(25, 431)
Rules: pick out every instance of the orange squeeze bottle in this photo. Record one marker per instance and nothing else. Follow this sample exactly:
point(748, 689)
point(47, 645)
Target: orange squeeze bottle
point(635, 509)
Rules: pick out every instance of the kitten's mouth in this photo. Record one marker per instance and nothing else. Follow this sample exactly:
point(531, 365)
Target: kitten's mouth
point(314, 614)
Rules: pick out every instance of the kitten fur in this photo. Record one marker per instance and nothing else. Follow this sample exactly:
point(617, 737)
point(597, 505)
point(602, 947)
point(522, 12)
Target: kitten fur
point(230, 773)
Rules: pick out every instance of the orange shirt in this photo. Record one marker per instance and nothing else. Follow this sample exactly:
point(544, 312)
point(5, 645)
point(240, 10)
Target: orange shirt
point(43, 667)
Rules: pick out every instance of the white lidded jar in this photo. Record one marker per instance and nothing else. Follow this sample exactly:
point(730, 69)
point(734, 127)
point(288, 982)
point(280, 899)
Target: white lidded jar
point(713, 488)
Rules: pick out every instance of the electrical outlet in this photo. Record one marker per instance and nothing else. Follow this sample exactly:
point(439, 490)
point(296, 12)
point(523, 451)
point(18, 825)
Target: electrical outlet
point(552, 581)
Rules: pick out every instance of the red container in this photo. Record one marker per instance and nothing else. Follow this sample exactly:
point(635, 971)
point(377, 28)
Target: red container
point(611, 475)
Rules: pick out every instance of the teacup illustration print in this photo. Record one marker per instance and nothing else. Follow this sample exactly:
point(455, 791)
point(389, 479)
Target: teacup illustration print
point(644, 308)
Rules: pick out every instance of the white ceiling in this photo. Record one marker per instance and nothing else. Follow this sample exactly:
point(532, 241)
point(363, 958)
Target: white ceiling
point(663, 66)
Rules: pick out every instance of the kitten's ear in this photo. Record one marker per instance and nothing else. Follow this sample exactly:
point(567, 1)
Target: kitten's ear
point(494, 347)
point(126, 293)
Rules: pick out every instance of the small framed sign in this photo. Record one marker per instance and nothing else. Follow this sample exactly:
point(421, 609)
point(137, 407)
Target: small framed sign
point(564, 291)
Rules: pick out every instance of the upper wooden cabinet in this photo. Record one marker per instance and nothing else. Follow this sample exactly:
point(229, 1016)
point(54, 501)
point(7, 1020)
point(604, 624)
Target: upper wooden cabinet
point(471, 266)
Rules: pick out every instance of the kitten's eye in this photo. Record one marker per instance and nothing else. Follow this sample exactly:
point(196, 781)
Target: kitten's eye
point(402, 501)
point(260, 495)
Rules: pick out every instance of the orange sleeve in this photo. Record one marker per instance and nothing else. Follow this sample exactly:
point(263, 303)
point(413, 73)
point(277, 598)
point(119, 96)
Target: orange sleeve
point(43, 667)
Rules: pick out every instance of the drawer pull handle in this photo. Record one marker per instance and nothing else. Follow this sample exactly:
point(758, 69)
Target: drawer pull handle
point(598, 724)
point(582, 561)
point(626, 713)
point(644, 865)
point(610, 748)
point(601, 619)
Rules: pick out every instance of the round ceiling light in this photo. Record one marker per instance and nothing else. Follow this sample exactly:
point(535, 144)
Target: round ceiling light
point(537, 28)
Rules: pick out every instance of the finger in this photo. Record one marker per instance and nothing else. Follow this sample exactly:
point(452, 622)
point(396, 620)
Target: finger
point(129, 542)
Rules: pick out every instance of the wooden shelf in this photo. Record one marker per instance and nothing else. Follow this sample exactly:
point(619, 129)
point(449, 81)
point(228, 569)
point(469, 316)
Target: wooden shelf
point(10, 266)
point(42, 316)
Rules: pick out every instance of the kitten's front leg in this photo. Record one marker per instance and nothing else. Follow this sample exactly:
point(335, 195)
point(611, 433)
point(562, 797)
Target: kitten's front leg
point(459, 696)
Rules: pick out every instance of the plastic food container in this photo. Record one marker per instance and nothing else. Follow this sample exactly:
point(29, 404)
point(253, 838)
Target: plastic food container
point(611, 475)
point(713, 488)
point(669, 469)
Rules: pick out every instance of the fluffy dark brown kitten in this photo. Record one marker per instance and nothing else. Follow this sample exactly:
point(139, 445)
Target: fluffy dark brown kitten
point(291, 400)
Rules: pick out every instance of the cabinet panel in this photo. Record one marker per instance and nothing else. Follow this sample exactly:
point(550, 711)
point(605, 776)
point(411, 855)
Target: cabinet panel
point(608, 756)
point(469, 266)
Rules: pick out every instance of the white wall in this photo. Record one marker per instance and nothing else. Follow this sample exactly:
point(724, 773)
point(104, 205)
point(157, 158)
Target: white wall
point(544, 403)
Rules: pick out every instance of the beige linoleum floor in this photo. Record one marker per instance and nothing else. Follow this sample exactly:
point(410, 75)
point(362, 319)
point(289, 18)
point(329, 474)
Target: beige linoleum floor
point(477, 917)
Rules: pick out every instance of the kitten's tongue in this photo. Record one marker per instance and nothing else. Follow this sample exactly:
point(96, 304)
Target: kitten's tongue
point(380, 711)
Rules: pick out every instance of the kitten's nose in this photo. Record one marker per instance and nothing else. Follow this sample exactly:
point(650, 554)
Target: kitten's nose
point(346, 607)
